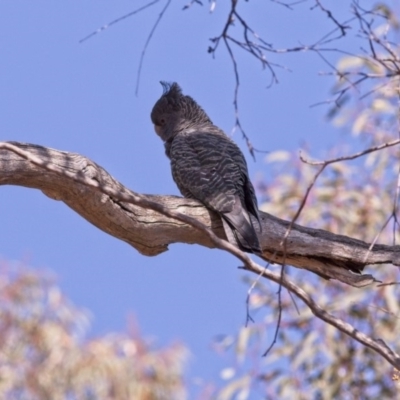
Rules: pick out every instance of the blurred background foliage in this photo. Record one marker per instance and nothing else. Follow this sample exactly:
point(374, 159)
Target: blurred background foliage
point(359, 198)
point(44, 353)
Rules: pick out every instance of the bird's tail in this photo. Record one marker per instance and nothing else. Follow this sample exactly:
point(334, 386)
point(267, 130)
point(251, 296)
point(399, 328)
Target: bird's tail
point(240, 231)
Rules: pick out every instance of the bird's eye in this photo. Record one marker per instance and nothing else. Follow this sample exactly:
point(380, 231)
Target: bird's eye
point(162, 121)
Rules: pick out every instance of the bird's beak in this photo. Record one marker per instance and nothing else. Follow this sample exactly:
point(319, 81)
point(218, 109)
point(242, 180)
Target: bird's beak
point(157, 128)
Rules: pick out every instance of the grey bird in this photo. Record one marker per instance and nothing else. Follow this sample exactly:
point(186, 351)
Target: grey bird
point(207, 165)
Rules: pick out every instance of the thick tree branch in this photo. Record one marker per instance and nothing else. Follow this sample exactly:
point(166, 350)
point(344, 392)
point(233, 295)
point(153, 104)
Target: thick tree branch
point(81, 178)
point(151, 231)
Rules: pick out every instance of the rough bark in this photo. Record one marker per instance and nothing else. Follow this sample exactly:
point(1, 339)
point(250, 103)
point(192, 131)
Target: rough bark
point(148, 231)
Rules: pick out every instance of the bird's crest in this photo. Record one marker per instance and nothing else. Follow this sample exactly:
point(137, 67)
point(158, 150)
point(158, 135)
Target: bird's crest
point(189, 109)
point(171, 89)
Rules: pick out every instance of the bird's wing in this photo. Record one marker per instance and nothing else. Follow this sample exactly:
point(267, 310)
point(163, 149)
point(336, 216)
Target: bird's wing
point(203, 168)
point(211, 169)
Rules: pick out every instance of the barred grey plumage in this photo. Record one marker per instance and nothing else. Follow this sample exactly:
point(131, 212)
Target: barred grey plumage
point(207, 165)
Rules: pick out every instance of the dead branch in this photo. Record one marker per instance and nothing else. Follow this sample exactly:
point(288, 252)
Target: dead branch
point(147, 226)
point(75, 179)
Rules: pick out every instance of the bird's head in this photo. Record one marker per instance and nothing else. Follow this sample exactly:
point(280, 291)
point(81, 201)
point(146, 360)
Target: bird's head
point(174, 113)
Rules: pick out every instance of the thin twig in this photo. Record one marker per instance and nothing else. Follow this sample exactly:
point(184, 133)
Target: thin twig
point(279, 319)
point(302, 204)
point(147, 43)
point(186, 6)
point(288, 5)
point(115, 21)
point(330, 15)
point(376, 344)
point(353, 156)
point(325, 163)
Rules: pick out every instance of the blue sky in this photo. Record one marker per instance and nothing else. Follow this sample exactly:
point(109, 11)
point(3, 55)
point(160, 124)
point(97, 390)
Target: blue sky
point(81, 98)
